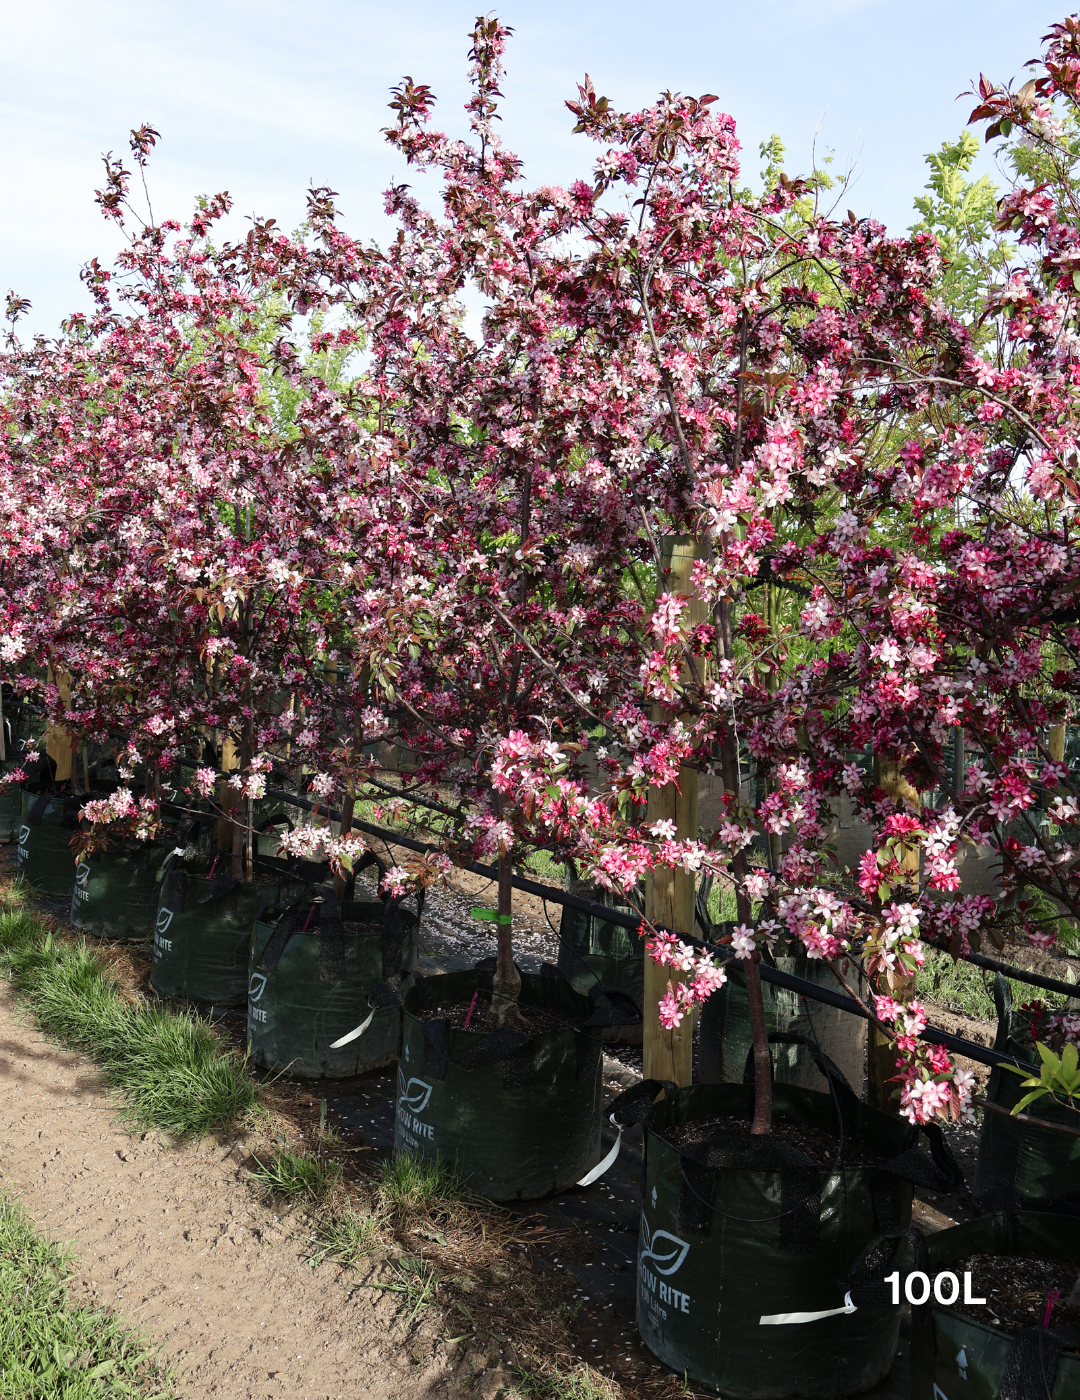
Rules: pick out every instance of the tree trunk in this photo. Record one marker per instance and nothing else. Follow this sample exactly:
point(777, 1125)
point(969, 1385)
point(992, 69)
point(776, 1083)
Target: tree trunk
point(669, 894)
point(759, 1031)
point(506, 984)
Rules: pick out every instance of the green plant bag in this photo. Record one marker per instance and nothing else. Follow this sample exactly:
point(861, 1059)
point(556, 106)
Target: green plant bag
point(723, 1246)
point(724, 1039)
point(44, 858)
point(294, 1015)
point(117, 891)
point(594, 952)
point(954, 1357)
point(202, 935)
point(518, 1121)
point(10, 813)
point(1035, 1163)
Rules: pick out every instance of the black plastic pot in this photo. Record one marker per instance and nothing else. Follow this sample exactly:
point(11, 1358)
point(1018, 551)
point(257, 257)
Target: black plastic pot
point(117, 891)
point(955, 1357)
point(47, 824)
point(307, 1000)
point(724, 1038)
point(732, 1235)
point(202, 935)
point(1018, 1159)
point(518, 1115)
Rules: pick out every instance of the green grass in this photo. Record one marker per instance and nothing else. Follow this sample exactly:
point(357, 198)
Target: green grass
point(347, 1237)
point(555, 1384)
point(413, 1185)
point(296, 1176)
point(416, 1280)
point(959, 987)
point(174, 1074)
point(52, 1349)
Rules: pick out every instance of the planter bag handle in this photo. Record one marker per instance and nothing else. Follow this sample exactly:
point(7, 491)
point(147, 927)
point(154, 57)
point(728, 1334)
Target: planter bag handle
point(178, 884)
point(634, 1105)
point(36, 814)
point(40, 768)
point(801, 1180)
point(631, 1107)
point(1004, 1197)
point(387, 992)
point(939, 1172)
point(842, 1093)
point(863, 1285)
point(225, 892)
point(1032, 1363)
point(324, 909)
point(621, 1010)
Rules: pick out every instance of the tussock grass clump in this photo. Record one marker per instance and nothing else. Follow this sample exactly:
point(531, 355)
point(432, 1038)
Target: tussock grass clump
point(174, 1073)
point(416, 1279)
point(348, 1238)
point(556, 1384)
point(51, 1348)
point(413, 1185)
point(296, 1176)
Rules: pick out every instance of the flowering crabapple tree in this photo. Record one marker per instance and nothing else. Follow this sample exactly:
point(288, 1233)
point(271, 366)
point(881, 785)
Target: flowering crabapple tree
point(490, 605)
point(761, 366)
point(173, 525)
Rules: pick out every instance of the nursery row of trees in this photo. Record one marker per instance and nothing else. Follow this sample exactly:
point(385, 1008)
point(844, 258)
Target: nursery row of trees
point(723, 476)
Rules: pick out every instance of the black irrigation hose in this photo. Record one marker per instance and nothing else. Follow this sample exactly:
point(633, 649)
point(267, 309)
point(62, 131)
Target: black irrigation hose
point(968, 1048)
point(1035, 979)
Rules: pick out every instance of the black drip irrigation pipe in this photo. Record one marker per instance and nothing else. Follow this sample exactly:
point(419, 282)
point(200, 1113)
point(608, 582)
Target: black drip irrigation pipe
point(633, 921)
point(957, 1044)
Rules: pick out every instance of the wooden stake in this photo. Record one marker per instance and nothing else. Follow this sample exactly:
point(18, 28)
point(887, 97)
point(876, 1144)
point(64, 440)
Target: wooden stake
point(225, 838)
point(880, 1050)
point(669, 894)
point(58, 743)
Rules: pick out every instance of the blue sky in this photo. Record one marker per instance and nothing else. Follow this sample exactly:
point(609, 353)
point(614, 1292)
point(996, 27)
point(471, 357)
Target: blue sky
point(264, 98)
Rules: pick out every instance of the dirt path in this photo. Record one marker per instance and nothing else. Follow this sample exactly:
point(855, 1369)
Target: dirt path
point(174, 1239)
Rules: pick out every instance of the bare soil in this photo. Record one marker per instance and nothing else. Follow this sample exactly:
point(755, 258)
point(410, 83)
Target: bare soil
point(823, 1148)
point(1015, 1288)
point(174, 1240)
point(534, 1020)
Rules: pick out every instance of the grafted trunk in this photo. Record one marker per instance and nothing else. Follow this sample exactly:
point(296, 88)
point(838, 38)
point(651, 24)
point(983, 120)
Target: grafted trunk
point(506, 985)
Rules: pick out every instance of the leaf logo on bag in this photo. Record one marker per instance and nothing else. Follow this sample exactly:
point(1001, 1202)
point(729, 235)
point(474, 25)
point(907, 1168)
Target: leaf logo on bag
point(666, 1251)
point(24, 835)
point(415, 1096)
point(82, 874)
point(256, 986)
point(164, 919)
